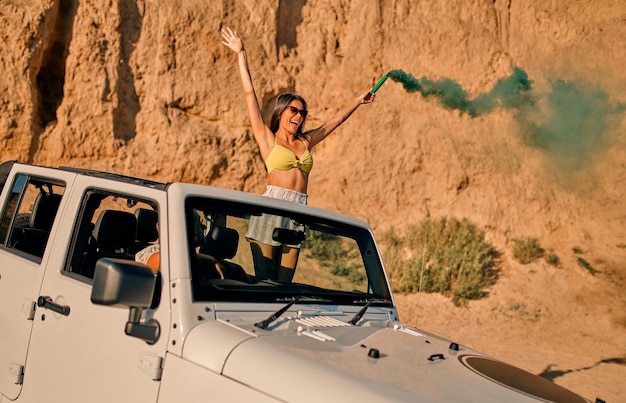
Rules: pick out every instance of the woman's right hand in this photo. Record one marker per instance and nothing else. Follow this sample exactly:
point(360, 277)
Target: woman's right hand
point(367, 97)
point(232, 40)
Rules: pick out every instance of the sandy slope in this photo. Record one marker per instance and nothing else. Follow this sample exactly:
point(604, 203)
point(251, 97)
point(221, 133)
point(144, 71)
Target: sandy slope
point(561, 329)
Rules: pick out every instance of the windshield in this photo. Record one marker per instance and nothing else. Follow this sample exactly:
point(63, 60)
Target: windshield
point(240, 252)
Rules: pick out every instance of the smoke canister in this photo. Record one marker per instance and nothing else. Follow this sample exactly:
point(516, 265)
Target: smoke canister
point(378, 84)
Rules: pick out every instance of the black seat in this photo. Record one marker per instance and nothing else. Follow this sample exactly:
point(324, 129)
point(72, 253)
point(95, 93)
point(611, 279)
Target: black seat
point(221, 243)
point(45, 210)
point(115, 234)
point(147, 232)
point(33, 238)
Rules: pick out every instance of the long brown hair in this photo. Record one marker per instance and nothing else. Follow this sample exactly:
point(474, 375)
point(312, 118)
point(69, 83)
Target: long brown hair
point(282, 101)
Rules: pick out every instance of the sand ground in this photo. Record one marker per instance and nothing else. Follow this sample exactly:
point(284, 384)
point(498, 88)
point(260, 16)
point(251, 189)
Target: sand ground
point(583, 350)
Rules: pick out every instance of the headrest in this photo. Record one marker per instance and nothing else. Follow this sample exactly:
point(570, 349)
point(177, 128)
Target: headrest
point(115, 229)
point(44, 210)
point(147, 225)
point(198, 229)
point(221, 243)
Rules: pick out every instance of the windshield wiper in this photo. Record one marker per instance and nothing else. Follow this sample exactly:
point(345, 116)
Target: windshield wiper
point(264, 324)
point(356, 318)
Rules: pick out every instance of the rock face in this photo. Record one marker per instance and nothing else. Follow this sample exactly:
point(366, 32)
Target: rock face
point(146, 88)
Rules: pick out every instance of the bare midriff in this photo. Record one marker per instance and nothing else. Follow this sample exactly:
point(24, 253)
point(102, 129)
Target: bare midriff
point(293, 178)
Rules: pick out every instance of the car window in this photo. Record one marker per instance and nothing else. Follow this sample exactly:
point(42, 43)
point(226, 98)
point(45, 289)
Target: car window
point(29, 214)
point(112, 225)
point(245, 253)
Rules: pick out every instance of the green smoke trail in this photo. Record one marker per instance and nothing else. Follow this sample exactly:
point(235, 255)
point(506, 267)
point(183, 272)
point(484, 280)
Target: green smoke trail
point(511, 92)
point(567, 121)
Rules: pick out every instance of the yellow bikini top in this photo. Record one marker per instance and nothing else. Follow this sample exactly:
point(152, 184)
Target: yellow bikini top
point(281, 157)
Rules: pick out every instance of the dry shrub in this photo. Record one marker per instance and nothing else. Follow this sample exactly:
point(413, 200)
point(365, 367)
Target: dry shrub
point(447, 255)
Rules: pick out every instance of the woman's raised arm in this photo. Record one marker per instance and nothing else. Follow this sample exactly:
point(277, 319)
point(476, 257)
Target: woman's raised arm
point(317, 135)
point(262, 133)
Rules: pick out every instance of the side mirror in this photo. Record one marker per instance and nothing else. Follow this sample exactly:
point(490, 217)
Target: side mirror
point(131, 284)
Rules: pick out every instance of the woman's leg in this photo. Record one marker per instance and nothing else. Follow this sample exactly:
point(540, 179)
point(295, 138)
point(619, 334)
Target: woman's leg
point(274, 262)
point(264, 259)
point(287, 264)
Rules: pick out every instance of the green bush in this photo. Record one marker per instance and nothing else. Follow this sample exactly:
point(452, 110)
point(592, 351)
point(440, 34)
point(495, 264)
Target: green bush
point(527, 250)
point(323, 246)
point(447, 256)
point(552, 259)
point(586, 265)
point(332, 253)
point(351, 272)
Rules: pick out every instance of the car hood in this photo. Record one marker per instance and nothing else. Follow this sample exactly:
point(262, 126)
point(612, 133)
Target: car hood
point(324, 358)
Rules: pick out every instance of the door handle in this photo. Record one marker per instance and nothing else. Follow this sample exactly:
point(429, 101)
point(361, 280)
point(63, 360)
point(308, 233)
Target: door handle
point(48, 303)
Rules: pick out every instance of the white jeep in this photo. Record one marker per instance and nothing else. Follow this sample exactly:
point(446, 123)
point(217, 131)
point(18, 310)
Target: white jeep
point(86, 315)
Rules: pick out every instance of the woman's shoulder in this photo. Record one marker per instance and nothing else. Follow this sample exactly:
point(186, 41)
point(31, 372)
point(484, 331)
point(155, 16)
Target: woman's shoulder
point(310, 136)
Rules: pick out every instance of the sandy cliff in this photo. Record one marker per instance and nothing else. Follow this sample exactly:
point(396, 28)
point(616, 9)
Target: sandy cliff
point(145, 88)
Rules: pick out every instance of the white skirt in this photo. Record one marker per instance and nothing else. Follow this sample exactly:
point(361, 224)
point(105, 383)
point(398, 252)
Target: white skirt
point(260, 228)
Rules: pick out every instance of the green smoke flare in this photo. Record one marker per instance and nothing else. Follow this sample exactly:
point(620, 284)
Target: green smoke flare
point(568, 121)
point(508, 92)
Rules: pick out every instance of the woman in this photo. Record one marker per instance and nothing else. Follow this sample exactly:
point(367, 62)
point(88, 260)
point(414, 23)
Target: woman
point(286, 150)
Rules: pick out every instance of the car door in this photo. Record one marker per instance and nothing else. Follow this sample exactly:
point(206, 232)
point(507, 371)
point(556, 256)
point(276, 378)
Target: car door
point(79, 351)
point(32, 201)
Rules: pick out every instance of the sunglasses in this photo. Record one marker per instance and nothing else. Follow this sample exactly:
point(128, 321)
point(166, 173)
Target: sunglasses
point(294, 110)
